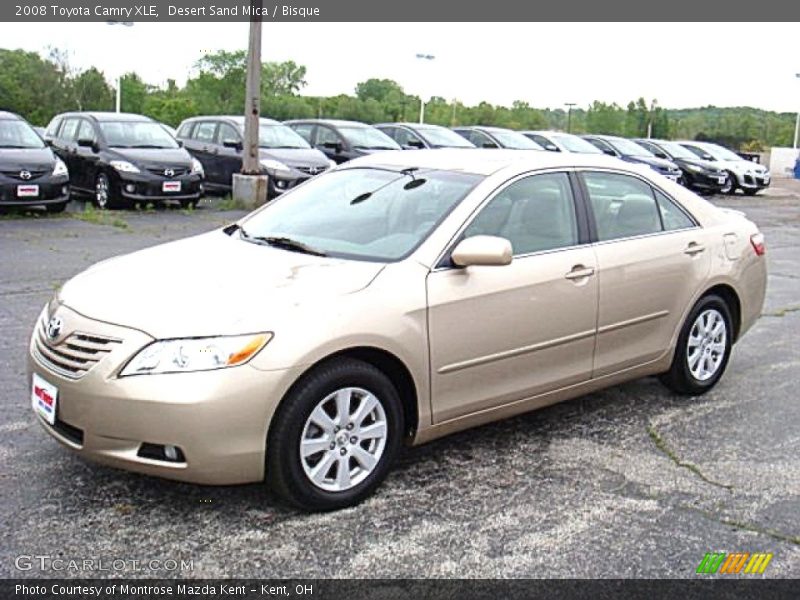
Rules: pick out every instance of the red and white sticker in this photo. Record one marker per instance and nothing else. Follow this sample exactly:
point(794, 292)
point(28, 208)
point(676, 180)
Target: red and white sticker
point(44, 396)
point(171, 186)
point(27, 191)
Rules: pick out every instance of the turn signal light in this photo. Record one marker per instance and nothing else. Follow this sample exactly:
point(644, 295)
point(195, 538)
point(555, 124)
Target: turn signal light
point(757, 241)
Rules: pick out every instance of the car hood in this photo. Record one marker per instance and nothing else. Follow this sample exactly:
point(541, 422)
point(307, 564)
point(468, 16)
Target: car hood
point(154, 157)
point(32, 159)
point(211, 284)
point(296, 157)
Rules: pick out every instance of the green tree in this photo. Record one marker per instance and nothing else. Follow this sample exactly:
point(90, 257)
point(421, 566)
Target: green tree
point(90, 91)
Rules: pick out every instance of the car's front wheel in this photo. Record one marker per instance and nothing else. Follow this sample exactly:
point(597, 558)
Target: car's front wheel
point(334, 436)
point(729, 187)
point(103, 192)
point(703, 350)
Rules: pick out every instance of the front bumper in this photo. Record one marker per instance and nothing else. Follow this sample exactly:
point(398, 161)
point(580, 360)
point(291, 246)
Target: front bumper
point(218, 419)
point(754, 180)
point(49, 190)
point(705, 180)
point(146, 186)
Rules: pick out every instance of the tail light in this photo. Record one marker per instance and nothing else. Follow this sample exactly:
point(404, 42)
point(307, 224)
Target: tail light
point(757, 241)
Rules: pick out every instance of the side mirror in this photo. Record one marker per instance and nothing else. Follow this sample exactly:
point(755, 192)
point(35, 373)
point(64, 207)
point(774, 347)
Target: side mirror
point(48, 142)
point(235, 144)
point(708, 157)
point(180, 143)
point(484, 250)
point(661, 155)
point(87, 143)
point(609, 151)
point(488, 145)
point(335, 146)
point(415, 144)
point(551, 148)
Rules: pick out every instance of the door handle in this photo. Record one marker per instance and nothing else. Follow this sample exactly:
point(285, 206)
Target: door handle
point(694, 248)
point(579, 272)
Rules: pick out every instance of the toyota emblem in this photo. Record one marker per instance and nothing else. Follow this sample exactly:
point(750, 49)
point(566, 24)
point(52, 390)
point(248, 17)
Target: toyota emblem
point(25, 175)
point(54, 327)
point(169, 173)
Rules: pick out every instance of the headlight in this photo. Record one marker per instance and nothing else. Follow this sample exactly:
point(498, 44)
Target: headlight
point(60, 168)
point(197, 167)
point(276, 166)
point(695, 168)
point(195, 354)
point(123, 166)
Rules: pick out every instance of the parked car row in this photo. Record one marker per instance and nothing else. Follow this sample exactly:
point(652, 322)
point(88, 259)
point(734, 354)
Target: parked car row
point(119, 159)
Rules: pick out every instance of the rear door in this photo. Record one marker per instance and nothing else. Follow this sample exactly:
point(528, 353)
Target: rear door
point(652, 259)
point(203, 148)
point(504, 334)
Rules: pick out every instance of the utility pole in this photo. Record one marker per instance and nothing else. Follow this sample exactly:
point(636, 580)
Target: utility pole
point(252, 109)
point(428, 58)
point(796, 122)
point(250, 186)
point(569, 106)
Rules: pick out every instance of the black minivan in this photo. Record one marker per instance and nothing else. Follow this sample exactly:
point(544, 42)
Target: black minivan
point(217, 142)
point(120, 159)
point(30, 174)
point(343, 140)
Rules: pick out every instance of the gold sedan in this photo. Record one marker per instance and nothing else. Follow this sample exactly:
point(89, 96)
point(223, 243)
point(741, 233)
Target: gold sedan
point(398, 298)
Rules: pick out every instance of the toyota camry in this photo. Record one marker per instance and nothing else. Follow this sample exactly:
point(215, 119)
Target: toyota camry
point(395, 299)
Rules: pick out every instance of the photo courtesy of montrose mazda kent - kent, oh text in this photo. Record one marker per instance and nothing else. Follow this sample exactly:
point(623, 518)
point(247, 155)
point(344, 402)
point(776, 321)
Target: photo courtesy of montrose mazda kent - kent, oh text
point(394, 299)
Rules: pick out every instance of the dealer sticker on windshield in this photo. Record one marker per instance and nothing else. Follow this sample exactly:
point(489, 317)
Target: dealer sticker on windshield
point(44, 396)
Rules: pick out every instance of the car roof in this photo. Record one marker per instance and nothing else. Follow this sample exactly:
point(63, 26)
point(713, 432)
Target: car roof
point(9, 116)
point(488, 128)
point(238, 119)
point(481, 161)
point(107, 116)
point(411, 125)
point(334, 122)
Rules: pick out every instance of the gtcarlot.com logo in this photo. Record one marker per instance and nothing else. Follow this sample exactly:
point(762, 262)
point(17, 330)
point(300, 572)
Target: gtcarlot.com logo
point(734, 563)
point(44, 562)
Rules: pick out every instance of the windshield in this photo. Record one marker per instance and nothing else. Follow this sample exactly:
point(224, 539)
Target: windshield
point(575, 144)
point(629, 148)
point(676, 150)
point(441, 137)
point(364, 213)
point(136, 134)
point(18, 134)
point(369, 138)
point(279, 136)
point(514, 140)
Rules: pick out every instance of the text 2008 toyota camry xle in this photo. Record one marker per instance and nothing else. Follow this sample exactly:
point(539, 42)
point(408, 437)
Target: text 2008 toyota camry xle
point(396, 299)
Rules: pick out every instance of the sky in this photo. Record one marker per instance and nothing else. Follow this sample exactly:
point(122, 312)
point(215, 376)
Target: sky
point(545, 64)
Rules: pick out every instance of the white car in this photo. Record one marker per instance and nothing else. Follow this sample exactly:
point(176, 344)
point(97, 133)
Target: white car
point(747, 175)
point(558, 141)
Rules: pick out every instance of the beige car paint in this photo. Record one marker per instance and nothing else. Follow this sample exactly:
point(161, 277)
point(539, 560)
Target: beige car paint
point(479, 343)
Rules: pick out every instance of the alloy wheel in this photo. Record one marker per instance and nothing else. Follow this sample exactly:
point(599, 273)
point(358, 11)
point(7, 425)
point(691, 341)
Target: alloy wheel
point(343, 439)
point(706, 345)
point(101, 191)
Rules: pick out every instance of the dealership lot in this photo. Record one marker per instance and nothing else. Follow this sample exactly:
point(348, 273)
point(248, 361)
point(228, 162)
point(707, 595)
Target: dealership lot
point(632, 481)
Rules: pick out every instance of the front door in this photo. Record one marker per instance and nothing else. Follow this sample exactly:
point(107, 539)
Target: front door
point(503, 334)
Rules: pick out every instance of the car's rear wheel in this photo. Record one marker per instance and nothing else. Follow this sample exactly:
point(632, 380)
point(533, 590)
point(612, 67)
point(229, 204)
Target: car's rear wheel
point(729, 187)
point(703, 350)
point(334, 436)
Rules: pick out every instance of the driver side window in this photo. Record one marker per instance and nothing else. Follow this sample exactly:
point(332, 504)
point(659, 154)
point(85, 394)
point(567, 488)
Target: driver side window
point(535, 214)
point(326, 135)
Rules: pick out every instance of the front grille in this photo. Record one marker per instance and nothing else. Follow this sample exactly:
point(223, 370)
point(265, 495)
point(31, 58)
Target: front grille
point(75, 355)
point(73, 434)
point(15, 174)
point(176, 172)
point(310, 170)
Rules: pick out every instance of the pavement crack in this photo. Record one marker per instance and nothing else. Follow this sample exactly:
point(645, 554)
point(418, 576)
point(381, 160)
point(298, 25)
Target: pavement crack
point(782, 312)
point(745, 526)
point(662, 446)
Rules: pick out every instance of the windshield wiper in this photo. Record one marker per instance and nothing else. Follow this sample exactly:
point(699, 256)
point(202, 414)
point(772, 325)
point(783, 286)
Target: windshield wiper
point(282, 242)
point(15, 147)
point(153, 146)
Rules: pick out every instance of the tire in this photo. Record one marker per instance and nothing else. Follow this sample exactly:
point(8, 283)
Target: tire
point(56, 208)
point(334, 443)
point(103, 192)
point(729, 188)
point(682, 377)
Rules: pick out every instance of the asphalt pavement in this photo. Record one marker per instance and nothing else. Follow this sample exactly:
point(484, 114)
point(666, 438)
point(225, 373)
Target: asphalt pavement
point(629, 482)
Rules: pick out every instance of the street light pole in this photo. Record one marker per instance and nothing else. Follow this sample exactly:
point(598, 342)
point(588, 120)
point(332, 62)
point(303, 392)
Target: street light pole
point(428, 57)
point(796, 122)
point(569, 106)
point(118, 102)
